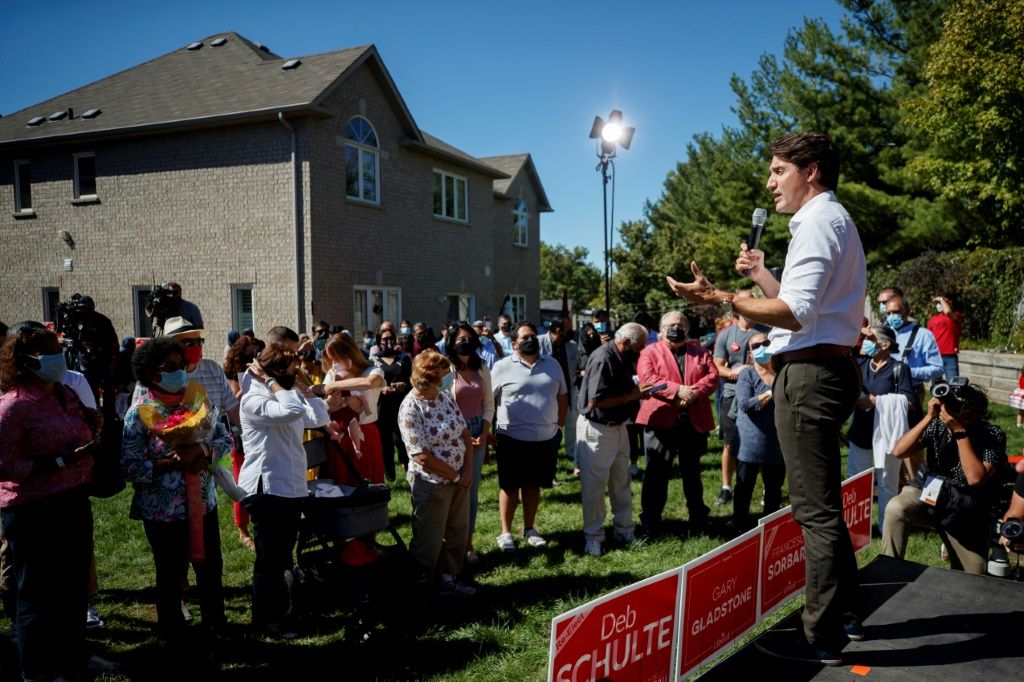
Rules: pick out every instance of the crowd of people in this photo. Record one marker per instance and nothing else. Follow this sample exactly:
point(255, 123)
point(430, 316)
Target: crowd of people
point(434, 407)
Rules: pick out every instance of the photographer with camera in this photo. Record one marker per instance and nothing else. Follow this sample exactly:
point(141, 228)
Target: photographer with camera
point(165, 302)
point(1011, 528)
point(90, 341)
point(958, 485)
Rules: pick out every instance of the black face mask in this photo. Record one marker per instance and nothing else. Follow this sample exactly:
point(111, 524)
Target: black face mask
point(287, 381)
point(465, 347)
point(387, 347)
point(529, 346)
point(675, 334)
point(421, 337)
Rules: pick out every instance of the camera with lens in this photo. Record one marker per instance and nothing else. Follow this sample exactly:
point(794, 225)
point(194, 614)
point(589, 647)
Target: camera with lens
point(74, 324)
point(157, 302)
point(999, 563)
point(950, 393)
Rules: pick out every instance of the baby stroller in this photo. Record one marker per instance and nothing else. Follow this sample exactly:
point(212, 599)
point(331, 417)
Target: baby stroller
point(339, 563)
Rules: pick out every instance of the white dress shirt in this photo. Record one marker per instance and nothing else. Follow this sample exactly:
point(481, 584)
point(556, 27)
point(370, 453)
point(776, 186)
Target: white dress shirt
point(272, 425)
point(824, 279)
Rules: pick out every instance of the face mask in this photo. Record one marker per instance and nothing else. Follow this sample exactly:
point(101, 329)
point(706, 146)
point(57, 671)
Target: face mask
point(869, 348)
point(894, 320)
point(675, 334)
point(51, 368)
point(881, 309)
point(529, 346)
point(193, 354)
point(464, 347)
point(320, 344)
point(404, 331)
point(368, 341)
point(173, 382)
point(601, 327)
point(287, 381)
point(761, 355)
point(446, 382)
point(938, 307)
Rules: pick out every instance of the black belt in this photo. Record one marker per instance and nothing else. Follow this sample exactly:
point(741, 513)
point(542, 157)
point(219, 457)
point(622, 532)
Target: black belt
point(822, 351)
point(603, 422)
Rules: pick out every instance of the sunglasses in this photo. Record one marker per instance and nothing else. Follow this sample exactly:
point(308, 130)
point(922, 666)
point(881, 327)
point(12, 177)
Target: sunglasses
point(760, 344)
point(191, 343)
point(171, 367)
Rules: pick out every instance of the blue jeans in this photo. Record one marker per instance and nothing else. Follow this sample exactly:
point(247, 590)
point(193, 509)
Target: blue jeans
point(951, 366)
point(476, 427)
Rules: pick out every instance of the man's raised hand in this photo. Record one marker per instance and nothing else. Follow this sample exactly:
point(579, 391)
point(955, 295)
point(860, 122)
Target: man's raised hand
point(700, 290)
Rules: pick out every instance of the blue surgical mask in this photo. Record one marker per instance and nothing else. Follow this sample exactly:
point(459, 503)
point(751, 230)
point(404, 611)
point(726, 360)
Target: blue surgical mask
point(446, 383)
point(761, 355)
point(938, 307)
point(51, 368)
point(404, 331)
point(869, 348)
point(601, 327)
point(173, 382)
point(881, 309)
point(894, 320)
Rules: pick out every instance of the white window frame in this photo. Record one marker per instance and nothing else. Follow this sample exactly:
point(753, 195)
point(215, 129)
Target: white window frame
point(465, 195)
point(518, 305)
point(77, 157)
point(142, 321)
point(360, 150)
point(236, 313)
point(50, 312)
point(470, 307)
point(18, 208)
point(367, 313)
point(521, 231)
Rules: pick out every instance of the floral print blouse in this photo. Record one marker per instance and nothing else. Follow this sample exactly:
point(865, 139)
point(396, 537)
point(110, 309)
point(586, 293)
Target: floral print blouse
point(162, 498)
point(435, 426)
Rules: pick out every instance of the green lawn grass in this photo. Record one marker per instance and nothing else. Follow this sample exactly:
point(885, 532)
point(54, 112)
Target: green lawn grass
point(501, 634)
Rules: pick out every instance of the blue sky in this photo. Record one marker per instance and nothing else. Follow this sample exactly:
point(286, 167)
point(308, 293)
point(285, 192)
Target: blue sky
point(489, 78)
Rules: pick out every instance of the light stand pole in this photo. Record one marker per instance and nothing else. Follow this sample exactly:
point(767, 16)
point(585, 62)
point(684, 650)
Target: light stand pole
point(610, 134)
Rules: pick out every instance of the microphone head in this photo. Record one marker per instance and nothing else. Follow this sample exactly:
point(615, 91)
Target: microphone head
point(760, 215)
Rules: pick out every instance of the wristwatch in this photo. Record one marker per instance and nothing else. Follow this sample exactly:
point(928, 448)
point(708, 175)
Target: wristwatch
point(270, 382)
point(727, 303)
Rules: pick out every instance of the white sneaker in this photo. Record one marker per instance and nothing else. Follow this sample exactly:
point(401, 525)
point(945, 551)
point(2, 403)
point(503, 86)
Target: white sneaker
point(533, 538)
point(92, 618)
point(506, 543)
point(593, 548)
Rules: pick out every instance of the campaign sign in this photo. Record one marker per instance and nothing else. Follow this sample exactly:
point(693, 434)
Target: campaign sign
point(627, 635)
point(719, 604)
point(783, 570)
point(857, 492)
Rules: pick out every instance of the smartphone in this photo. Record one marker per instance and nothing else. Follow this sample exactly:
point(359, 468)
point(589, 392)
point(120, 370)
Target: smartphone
point(655, 389)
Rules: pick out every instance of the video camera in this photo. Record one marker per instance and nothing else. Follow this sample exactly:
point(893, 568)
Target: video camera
point(999, 563)
point(951, 393)
point(75, 326)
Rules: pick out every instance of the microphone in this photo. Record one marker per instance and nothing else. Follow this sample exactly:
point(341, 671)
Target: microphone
point(756, 227)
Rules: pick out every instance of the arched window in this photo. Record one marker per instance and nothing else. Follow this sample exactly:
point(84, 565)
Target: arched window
point(362, 170)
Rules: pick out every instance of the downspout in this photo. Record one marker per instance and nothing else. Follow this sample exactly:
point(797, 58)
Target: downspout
point(297, 228)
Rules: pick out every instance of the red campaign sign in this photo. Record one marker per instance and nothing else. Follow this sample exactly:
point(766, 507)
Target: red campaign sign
point(783, 570)
point(628, 635)
point(720, 595)
point(857, 492)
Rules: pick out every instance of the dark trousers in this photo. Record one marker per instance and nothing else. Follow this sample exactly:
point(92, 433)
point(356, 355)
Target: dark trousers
point(51, 542)
point(636, 441)
point(169, 542)
point(812, 401)
point(773, 474)
point(390, 439)
point(661, 447)
point(275, 525)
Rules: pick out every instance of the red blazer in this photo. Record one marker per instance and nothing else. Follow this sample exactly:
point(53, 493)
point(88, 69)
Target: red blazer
point(657, 365)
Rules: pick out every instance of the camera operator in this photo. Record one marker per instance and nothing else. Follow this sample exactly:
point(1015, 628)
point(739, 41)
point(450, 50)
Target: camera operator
point(1013, 540)
point(957, 486)
point(90, 341)
point(165, 302)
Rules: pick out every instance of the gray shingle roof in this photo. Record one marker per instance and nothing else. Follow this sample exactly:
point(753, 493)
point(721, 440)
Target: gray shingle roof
point(511, 164)
point(184, 86)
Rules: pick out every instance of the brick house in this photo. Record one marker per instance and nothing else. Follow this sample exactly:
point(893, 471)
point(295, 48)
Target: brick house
point(275, 191)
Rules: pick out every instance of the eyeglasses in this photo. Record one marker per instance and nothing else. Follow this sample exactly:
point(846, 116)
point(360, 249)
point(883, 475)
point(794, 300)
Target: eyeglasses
point(189, 343)
point(171, 367)
point(760, 344)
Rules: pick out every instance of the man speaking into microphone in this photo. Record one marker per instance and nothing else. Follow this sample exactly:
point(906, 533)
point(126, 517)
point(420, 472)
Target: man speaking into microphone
point(816, 312)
